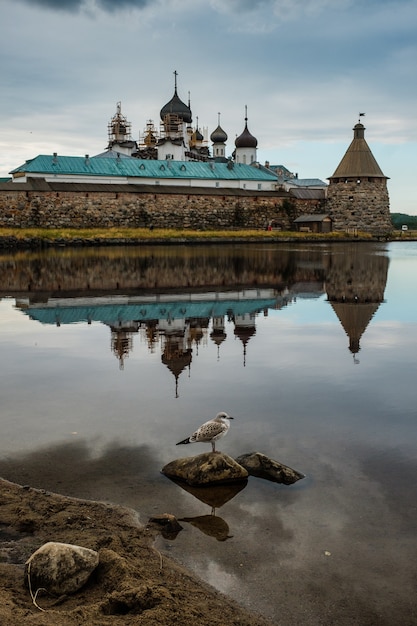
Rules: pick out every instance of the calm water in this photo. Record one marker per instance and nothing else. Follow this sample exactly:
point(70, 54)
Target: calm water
point(111, 356)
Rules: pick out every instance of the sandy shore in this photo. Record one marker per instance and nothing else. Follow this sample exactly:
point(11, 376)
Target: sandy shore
point(133, 584)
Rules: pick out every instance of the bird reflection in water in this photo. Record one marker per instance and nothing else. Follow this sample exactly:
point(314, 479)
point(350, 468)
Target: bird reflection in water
point(210, 525)
point(214, 496)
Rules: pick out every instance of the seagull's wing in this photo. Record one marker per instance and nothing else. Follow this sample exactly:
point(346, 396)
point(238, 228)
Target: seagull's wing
point(208, 431)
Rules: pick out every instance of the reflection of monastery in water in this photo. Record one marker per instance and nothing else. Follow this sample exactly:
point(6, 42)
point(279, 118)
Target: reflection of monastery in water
point(178, 323)
point(180, 302)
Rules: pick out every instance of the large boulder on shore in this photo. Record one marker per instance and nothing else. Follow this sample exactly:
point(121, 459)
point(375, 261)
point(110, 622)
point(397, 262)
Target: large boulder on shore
point(261, 466)
point(205, 469)
point(60, 568)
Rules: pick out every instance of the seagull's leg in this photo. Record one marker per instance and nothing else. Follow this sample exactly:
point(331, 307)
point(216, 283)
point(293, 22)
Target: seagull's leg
point(213, 446)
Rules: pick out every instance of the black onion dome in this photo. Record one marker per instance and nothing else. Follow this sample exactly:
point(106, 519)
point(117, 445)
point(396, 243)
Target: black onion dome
point(218, 135)
point(246, 139)
point(197, 136)
point(176, 107)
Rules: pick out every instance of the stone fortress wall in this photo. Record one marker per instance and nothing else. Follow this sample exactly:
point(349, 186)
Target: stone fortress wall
point(90, 207)
point(102, 270)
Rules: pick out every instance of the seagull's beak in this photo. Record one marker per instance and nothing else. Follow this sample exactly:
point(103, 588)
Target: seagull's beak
point(230, 417)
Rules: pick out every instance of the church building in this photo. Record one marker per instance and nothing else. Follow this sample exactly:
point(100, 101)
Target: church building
point(177, 139)
point(174, 157)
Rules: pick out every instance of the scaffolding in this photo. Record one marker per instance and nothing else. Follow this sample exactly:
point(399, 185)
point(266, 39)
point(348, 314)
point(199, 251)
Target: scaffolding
point(119, 129)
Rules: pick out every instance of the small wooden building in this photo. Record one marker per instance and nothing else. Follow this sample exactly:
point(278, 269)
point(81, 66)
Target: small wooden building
point(319, 223)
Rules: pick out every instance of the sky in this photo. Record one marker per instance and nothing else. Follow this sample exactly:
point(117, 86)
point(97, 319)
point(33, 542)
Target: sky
point(304, 69)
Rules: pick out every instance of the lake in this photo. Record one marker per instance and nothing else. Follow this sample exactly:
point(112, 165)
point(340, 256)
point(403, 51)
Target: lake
point(112, 355)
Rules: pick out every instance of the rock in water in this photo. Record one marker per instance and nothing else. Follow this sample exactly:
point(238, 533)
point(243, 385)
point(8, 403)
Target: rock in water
point(205, 469)
point(60, 568)
point(167, 523)
point(260, 465)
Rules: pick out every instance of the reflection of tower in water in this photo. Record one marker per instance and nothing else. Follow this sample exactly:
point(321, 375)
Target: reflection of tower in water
point(176, 354)
point(122, 339)
point(151, 334)
point(198, 331)
point(355, 285)
point(245, 328)
point(218, 333)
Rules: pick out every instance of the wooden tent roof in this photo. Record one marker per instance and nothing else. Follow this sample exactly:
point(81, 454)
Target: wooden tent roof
point(358, 160)
point(355, 319)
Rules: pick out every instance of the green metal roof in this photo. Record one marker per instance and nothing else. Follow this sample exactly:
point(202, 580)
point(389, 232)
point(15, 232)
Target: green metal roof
point(307, 182)
point(119, 313)
point(141, 168)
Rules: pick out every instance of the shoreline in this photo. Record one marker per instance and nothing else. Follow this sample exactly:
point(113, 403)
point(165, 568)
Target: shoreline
point(54, 240)
point(133, 584)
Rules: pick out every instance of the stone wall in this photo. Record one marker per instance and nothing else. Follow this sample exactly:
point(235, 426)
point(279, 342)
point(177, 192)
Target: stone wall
point(101, 270)
point(30, 208)
point(362, 206)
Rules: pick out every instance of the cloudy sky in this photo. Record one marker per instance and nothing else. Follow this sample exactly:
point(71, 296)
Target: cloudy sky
point(304, 68)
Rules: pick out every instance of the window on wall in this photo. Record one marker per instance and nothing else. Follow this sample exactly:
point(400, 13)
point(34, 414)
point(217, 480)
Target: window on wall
point(217, 184)
point(244, 158)
point(259, 185)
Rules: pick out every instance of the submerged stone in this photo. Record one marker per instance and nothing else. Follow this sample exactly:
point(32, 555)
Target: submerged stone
point(167, 524)
point(205, 469)
point(261, 466)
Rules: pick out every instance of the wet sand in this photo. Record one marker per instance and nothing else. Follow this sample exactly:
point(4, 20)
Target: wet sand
point(133, 584)
point(357, 570)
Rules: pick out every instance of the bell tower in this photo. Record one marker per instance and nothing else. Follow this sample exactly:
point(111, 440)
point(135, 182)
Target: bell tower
point(119, 131)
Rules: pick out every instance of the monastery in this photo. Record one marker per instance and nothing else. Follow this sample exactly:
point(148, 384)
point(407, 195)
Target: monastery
point(172, 178)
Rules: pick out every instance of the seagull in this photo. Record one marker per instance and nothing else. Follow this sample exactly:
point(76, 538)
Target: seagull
point(210, 431)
